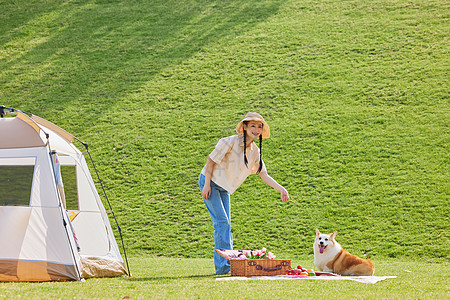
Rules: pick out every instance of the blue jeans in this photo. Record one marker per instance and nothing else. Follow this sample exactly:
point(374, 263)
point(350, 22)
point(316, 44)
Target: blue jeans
point(218, 205)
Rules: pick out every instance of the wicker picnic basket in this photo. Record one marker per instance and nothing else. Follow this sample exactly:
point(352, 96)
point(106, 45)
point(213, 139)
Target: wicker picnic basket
point(259, 267)
point(242, 266)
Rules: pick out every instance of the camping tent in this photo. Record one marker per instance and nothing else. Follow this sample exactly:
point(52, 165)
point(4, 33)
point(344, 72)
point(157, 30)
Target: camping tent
point(53, 225)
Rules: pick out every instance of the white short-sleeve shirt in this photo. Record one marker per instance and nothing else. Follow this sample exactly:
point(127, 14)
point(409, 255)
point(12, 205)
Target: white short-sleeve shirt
point(230, 170)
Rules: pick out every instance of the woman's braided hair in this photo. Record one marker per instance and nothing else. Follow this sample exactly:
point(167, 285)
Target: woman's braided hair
point(245, 149)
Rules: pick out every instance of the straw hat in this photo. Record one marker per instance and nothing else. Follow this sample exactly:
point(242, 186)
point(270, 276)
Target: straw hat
point(252, 116)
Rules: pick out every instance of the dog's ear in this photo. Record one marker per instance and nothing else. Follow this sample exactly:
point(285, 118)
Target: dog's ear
point(333, 235)
point(317, 232)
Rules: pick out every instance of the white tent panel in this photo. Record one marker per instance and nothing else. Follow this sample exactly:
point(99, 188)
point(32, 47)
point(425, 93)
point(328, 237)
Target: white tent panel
point(60, 144)
point(92, 243)
point(86, 197)
point(43, 193)
point(46, 237)
point(113, 247)
point(17, 161)
point(14, 222)
point(66, 160)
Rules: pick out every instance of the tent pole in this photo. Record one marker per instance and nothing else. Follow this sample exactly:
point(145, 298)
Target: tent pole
point(112, 211)
point(62, 215)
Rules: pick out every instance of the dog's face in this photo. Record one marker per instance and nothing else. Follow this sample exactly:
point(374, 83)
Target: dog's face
point(323, 241)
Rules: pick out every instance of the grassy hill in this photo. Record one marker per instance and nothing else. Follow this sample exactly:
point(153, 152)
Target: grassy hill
point(355, 92)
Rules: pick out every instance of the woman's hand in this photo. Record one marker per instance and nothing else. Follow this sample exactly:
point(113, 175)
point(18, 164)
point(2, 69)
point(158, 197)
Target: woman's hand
point(271, 182)
point(284, 195)
point(206, 192)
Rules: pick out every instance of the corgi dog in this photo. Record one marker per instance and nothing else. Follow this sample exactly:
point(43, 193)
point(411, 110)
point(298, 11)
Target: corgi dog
point(329, 256)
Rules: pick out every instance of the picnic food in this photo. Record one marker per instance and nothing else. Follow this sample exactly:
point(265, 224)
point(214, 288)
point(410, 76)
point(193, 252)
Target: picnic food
point(301, 271)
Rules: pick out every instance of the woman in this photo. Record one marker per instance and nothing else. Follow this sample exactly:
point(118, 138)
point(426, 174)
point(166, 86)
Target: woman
point(229, 164)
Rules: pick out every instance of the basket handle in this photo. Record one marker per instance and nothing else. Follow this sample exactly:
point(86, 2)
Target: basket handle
point(276, 268)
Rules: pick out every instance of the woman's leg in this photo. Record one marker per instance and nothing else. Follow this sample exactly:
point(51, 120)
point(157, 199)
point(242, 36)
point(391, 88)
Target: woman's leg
point(218, 206)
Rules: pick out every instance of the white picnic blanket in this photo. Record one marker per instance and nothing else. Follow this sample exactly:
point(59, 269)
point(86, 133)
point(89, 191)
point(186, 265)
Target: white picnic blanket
point(362, 279)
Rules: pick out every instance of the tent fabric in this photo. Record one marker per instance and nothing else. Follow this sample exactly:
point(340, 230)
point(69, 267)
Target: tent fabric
point(24, 270)
point(61, 132)
point(29, 121)
point(39, 240)
point(34, 233)
point(98, 267)
point(17, 133)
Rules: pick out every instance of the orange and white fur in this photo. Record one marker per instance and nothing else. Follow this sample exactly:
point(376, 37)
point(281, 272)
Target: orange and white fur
point(329, 256)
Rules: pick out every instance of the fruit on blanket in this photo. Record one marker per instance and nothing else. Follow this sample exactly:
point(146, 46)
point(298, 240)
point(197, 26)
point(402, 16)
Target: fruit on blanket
point(301, 268)
point(293, 272)
point(301, 271)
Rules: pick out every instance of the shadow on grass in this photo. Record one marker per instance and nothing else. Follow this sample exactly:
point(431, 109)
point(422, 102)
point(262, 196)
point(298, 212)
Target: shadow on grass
point(171, 277)
point(96, 53)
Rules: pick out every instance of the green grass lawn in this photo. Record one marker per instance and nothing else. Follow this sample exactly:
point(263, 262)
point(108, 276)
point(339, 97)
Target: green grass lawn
point(175, 278)
point(355, 93)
